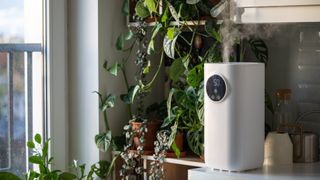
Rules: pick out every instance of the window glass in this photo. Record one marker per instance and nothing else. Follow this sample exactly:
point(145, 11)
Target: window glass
point(21, 81)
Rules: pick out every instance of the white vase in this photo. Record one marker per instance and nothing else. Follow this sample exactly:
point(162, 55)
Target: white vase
point(278, 149)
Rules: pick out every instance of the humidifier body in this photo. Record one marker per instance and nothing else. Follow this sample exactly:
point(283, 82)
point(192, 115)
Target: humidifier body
point(234, 115)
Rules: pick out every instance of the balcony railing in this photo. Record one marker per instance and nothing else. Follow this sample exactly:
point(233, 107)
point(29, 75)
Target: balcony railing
point(10, 50)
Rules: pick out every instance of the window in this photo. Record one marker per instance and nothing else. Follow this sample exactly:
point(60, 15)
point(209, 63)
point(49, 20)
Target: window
point(22, 77)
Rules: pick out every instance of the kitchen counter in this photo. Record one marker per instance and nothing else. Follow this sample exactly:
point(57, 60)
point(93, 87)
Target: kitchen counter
point(301, 171)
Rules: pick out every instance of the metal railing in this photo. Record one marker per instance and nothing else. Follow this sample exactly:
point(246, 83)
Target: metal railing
point(10, 50)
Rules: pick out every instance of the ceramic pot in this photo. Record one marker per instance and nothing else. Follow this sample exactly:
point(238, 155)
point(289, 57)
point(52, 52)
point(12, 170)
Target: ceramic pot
point(150, 136)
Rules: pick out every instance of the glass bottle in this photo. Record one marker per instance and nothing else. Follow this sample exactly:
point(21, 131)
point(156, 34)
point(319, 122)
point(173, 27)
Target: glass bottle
point(284, 110)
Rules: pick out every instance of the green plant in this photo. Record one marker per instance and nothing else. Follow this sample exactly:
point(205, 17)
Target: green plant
point(161, 146)
point(40, 158)
point(133, 164)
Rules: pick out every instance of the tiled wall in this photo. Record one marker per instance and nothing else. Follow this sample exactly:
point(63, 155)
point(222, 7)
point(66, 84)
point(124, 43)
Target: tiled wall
point(295, 63)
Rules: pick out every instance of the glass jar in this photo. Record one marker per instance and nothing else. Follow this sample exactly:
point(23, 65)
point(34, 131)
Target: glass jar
point(284, 111)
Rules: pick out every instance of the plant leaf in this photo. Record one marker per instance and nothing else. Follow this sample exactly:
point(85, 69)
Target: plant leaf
point(195, 141)
point(45, 148)
point(8, 176)
point(195, 76)
point(129, 35)
point(114, 69)
point(141, 10)
point(67, 176)
point(103, 141)
point(170, 33)
point(146, 70)
point(111, 166)
point(37, 138)
point(169, 102)
point(192, 1)
point(169, 45)
point(120, 42)
point(108, 102)
point(173, 133)
point(177, 68)
point(164, 16)
point(175, 148)
point(35, 160)
point(132, 92)
point(150, 49)
point(30, 145)
point(260, 50)
point(125, 98)
point(173, 12)
point(151, 5)
point(125, 7)
point(212, 30)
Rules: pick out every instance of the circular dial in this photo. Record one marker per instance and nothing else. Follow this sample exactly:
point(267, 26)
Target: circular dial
point(216, 88)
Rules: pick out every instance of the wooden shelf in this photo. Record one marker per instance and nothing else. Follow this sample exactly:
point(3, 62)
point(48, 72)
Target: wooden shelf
point(186, 161)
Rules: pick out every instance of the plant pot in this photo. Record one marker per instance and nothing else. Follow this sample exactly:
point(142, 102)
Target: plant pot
point(150, 136)
point(179, 142)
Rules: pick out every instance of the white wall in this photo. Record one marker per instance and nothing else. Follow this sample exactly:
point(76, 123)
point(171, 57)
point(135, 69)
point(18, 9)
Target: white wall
point(93, 29)
point(83, 63)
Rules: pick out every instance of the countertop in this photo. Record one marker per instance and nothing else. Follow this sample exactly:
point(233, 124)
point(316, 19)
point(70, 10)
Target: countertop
point(301, 171)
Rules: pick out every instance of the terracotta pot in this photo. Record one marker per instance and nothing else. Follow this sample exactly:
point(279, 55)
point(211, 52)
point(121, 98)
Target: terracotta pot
point(179, 141)
point(150, 136)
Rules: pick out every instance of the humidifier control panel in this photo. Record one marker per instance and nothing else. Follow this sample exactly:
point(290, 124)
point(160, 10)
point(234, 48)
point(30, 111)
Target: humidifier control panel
point(216, 88)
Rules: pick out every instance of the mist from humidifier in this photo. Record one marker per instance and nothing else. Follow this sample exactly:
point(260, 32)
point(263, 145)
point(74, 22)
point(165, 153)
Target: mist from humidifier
point(232, 33)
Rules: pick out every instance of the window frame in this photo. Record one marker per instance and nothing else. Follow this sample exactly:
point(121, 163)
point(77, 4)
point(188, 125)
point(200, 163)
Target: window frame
point(56, 99)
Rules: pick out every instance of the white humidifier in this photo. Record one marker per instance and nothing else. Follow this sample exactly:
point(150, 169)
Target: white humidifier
point(234, 116)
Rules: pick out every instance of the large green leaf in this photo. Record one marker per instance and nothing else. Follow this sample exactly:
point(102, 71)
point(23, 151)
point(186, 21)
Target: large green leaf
point(35, 160)
point(169, 44)
point(141, 10)
point(8, 176)
point(195, 141)
point(151, 5)
point(195, 76)
point(260, 50)
point(103, 141)
point(177, 68)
